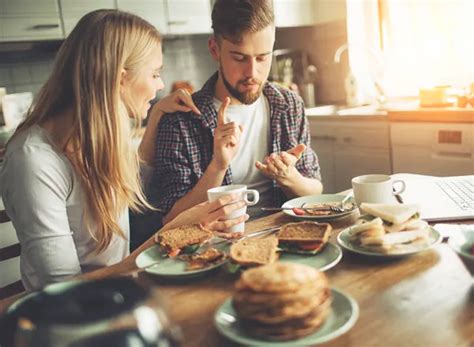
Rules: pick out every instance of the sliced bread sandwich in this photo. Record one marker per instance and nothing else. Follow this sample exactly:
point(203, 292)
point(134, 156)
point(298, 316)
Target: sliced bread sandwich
point(184, 239)
point(253, 252)
point(303, 237)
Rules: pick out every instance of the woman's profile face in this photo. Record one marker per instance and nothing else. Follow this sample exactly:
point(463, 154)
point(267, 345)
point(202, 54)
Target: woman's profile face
point(142, 88)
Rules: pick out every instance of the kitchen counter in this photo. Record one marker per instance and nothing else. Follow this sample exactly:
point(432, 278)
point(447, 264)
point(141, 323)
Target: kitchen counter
point(395, 112)
point(432, 115)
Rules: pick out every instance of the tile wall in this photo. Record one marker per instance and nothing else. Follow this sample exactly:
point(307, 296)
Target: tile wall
point(26, 68)
point(187, 58)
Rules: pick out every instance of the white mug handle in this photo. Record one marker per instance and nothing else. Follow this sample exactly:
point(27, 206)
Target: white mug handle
point(255, 197)
point(402, 188)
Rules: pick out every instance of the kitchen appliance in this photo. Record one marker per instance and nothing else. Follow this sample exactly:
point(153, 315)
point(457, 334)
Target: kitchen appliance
point(292, 66)
point(88, 313)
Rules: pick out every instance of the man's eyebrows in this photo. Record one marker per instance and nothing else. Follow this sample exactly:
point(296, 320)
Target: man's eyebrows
point(248, 55)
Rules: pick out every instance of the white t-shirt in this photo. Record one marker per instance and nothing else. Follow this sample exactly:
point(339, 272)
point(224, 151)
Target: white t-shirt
point(254, 145)
point(45, 201)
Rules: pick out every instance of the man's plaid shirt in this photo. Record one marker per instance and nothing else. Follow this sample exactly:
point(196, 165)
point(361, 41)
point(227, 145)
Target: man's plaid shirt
point(184, 143)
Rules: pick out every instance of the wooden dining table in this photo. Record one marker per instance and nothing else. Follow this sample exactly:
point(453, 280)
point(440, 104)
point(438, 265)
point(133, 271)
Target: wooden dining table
point(425, 300)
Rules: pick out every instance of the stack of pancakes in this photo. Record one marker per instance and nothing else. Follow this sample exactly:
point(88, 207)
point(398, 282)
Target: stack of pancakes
point(282, 301)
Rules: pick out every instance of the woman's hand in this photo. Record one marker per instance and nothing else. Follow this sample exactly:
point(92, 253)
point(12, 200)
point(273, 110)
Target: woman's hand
point(179, 100)
point(212, 215)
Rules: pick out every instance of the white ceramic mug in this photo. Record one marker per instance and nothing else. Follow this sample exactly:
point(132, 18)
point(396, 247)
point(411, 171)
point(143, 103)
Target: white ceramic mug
point(376, 188)
point(216, 193)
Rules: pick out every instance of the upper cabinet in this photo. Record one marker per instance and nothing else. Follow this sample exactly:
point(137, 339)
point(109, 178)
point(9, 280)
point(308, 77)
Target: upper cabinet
point(73, 10)
point(170, 17)
point(31, 20)
point(154, 11)
point(189, 16)
point(28, 20)
point(292, 13)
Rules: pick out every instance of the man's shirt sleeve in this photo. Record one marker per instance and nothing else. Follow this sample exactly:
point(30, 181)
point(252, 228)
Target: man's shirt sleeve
point(172, 174)
point(308, 165)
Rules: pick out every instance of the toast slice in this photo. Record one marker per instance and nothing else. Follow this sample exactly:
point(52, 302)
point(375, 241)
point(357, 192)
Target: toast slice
point(255, 251)
point(305, 232)
point(177, 238)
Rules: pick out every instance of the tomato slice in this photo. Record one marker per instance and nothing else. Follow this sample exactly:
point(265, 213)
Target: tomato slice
point(309, 246)
point(298, 211)
point(174, 253)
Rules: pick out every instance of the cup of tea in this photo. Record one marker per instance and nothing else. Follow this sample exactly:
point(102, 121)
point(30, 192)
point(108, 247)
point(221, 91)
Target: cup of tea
point(376, 188)
point(250, 196)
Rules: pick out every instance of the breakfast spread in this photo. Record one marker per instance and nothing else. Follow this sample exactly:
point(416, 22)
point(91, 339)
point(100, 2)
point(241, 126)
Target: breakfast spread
point(303, 237)
point(282, 301)
point(390, 228)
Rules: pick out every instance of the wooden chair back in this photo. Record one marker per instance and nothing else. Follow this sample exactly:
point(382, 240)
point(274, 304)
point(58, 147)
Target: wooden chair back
point(7, 255)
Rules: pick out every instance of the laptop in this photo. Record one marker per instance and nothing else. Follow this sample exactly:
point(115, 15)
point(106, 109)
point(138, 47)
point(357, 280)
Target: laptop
point(441, 198)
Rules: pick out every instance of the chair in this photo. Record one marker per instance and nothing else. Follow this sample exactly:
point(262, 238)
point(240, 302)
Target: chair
point(9, 259)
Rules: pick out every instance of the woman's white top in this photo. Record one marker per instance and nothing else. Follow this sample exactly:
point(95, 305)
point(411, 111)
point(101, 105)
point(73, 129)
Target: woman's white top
point(46, 203)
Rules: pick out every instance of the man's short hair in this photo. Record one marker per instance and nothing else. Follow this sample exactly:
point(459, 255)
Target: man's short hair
point(233, 18)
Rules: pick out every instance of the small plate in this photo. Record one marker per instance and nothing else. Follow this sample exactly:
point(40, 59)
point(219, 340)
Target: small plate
point(324, 260)
point(344, 240)
point(344, 314)
point(172, 267)
point(315, 199)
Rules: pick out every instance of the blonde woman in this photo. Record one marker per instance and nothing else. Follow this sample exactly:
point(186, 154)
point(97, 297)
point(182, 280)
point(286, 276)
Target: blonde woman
point(70, 173)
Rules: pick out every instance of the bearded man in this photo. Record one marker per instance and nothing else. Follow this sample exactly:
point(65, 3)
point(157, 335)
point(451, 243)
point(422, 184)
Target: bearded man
point(250, 131)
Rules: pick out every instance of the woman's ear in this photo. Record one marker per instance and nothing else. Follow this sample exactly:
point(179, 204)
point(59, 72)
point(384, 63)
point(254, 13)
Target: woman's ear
point(213, 47)
point(123, 77)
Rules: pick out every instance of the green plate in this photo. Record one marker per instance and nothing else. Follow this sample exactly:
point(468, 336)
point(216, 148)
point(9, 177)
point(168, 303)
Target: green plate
point(344, 240)
point(344, 314)
point(315, 199)
point(324, 260)
point(172, 267)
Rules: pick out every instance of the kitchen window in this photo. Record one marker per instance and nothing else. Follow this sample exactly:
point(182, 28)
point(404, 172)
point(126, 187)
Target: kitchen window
point(420, 43)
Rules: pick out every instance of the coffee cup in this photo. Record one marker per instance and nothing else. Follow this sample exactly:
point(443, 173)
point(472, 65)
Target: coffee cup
point(376, 188)
point(243, 193)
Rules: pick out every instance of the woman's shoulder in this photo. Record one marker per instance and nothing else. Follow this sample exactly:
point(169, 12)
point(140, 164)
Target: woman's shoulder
point(31, 150)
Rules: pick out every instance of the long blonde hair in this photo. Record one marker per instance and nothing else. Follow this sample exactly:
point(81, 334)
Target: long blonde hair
point(86, 82)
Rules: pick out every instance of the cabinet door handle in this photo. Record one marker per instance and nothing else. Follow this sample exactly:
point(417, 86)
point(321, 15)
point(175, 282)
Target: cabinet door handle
point(453, 155)
point(178, 22)
point(45, 26)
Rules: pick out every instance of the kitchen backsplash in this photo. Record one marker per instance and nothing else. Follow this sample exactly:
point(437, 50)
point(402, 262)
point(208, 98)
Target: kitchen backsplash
point(321, 42)
point(188, 58)
point(185, 58)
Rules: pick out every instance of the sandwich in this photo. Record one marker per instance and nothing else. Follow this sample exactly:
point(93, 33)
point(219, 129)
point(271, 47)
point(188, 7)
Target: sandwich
point(253, 252)
point(183, 240)
point(390, 228)
point(282, 301)
point(303, 237)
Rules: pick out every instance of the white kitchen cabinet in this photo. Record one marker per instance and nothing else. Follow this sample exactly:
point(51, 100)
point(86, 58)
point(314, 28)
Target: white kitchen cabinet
point(291, 13)
point(25, 20)
point(350, 148)
point(154, 11)
point(439, 149)
point(73, 10)
point(323, 142)
point(172, 17)
point(189, 16)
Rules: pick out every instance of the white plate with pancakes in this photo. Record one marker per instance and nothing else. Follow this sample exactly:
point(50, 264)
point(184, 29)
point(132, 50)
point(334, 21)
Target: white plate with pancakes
point(342, 317)
point(347, 243)
point(322, 200)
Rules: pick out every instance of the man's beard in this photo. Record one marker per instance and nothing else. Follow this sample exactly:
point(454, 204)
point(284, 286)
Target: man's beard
point(244, 98)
